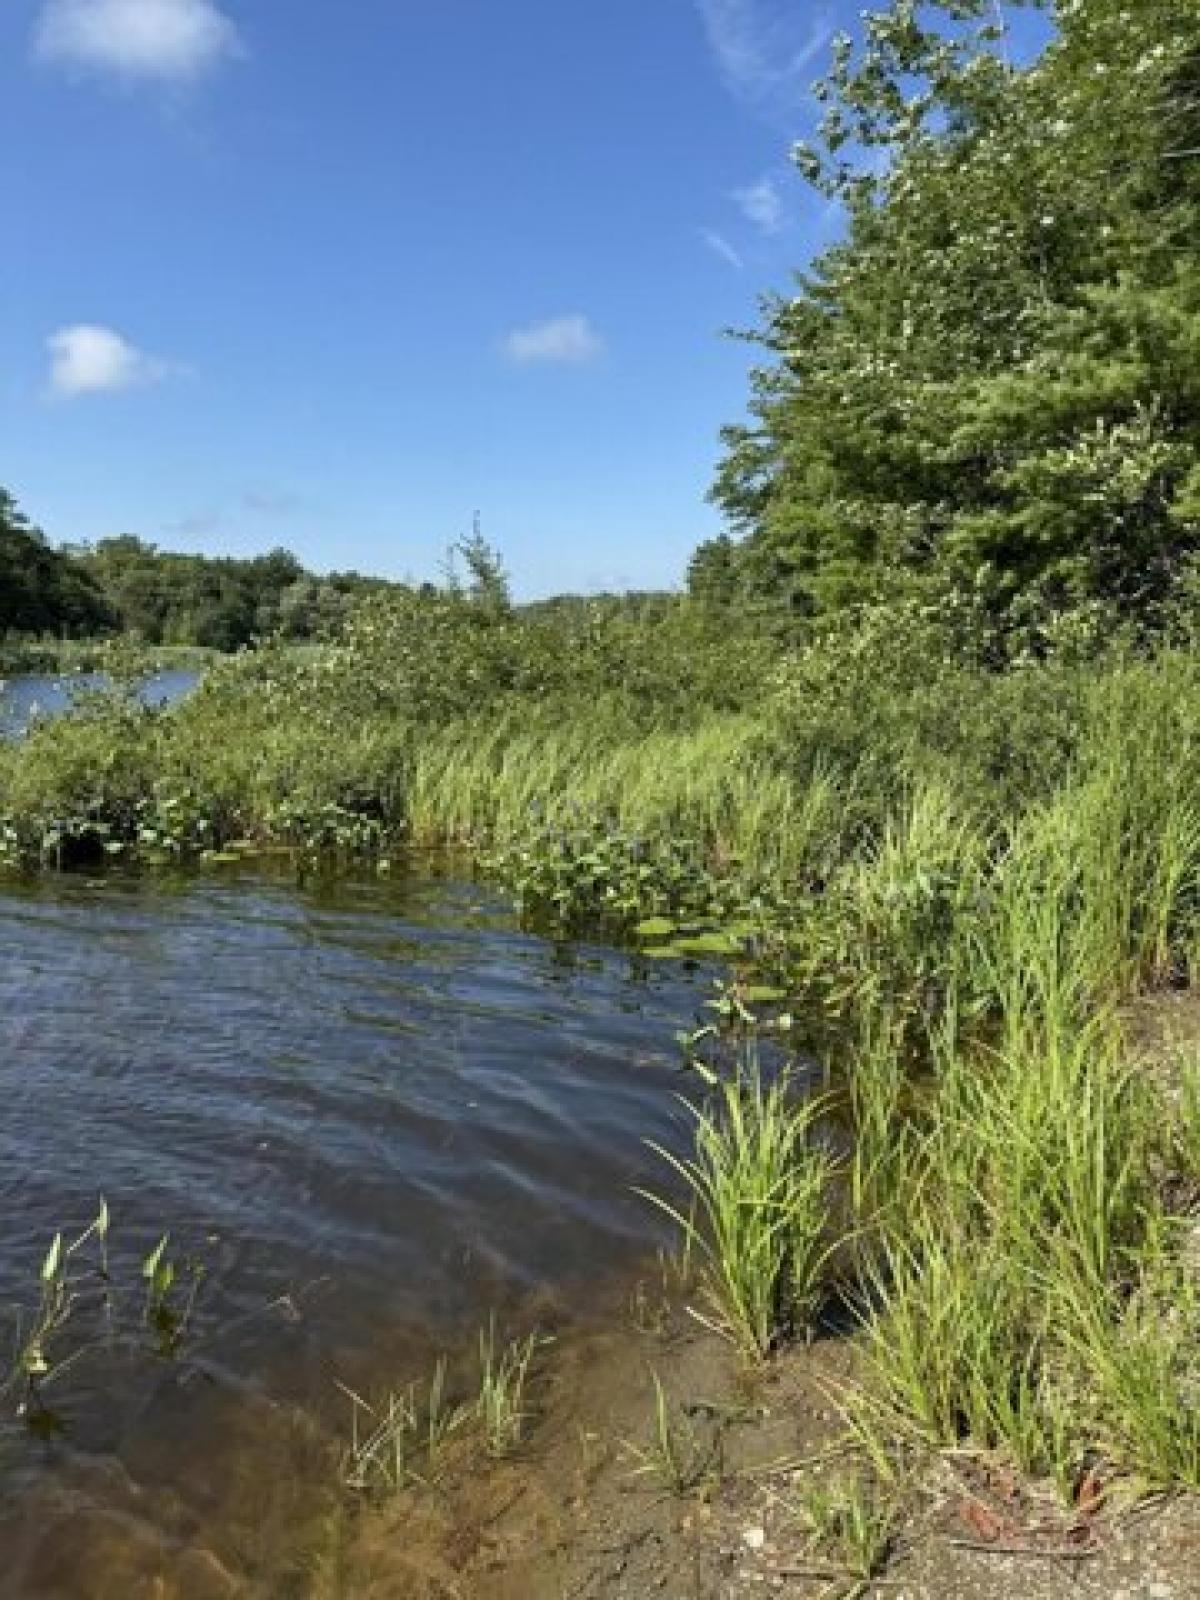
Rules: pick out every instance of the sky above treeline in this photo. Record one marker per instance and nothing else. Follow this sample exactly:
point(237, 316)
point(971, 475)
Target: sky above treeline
point(336, 276)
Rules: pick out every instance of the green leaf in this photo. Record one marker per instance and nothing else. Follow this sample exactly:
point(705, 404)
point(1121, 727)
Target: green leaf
point(707, 944)
point(153, 1261)
point(53, 1262)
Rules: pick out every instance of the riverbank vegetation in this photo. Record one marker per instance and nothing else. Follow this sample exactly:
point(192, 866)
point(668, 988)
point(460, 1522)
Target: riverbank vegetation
point(919, 759)
point(952, 879)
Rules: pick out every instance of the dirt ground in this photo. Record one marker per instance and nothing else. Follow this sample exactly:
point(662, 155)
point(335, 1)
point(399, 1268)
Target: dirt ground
point(573, 1518)
point(573, 1515)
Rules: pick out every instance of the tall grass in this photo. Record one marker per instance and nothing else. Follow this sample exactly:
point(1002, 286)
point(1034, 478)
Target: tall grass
point(503, 1379)
point(1022, 1285)
point(758, 1195)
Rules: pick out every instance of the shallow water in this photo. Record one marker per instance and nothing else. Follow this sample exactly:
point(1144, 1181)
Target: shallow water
point(373, 1112)
point(27, 696)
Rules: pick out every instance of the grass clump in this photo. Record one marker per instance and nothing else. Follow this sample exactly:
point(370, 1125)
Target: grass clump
point(757, 1193)
point(850, 1521)
point(1138, 1347)
point(504, 1376)
point(400, 1441)
point(682, 1455)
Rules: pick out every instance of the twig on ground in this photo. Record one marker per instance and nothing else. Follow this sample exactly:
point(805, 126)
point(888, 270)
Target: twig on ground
point(1022, 1550)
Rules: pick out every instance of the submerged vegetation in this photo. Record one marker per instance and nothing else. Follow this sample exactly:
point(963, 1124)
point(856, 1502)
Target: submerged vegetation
point(84, 1311)
point(401, 1440)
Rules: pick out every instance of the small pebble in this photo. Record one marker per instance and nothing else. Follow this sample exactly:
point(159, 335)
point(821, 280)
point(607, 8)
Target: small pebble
point(754, 1538)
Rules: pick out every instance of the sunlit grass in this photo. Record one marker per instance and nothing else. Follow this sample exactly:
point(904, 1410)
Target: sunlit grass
point(503, 1379)
point(399, 1440)
point(849, 1520)
point(757, 1210)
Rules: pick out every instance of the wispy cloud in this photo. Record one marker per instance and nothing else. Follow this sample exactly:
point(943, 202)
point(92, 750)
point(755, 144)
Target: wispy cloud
point(766, 49)
point(88, 359)
point(164, 40)
point(720, 246)
point(762, 204)
point(568, 340)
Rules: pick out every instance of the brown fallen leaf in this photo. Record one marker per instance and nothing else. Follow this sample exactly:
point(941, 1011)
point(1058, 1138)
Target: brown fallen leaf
point(1091, 1494)
point(983, 1522)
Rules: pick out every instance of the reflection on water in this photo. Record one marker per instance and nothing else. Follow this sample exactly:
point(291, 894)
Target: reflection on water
point(373, 1112)
point(26, 697)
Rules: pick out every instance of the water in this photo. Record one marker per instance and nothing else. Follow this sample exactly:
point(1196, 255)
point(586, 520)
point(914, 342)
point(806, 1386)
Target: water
point(25, 697)
point(374, 1113)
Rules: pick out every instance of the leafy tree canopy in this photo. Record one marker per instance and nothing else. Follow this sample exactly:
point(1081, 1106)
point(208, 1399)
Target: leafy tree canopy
point(989, 391)
point(41, 589)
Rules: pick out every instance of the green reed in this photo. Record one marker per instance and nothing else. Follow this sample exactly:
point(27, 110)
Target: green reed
point(756, 1213)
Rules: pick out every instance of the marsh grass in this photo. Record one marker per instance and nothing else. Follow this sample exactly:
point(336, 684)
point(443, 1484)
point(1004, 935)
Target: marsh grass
point(681, 1456)
point(504, 1376)
point(1187, 1118)
point(400, 1440)
point(884, 1170)
point(851, 1521)
point(757, 1197)
point(955, 1354)
point(1138, 1347)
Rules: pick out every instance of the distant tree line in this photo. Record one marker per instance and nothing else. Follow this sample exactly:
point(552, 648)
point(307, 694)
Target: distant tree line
point(217, 601)
point(126, 585)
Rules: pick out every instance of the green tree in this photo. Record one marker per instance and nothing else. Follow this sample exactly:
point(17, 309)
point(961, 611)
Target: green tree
point(488, 584)
point(990, 389)
point(712, 576)
point(43, 590)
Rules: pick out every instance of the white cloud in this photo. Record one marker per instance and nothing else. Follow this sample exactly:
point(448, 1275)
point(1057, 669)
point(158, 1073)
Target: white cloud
point(720, 246)
point(762, 204)
point(171, 40)
point(764, 49)
point(87, 359)
point(570, 339)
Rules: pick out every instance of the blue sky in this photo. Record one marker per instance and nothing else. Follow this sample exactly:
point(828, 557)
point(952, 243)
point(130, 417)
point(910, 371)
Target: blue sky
point(337, 275)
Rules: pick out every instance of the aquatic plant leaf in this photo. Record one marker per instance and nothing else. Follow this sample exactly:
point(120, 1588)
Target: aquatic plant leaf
point(53, 1262)
point(153, 1262)
point(706, 944)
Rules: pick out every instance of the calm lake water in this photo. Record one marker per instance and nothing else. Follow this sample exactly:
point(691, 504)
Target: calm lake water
point(374, 1114)
point(25, 697)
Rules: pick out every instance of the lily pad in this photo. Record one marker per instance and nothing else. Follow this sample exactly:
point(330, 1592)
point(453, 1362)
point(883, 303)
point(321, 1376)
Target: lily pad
point(707, 944)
